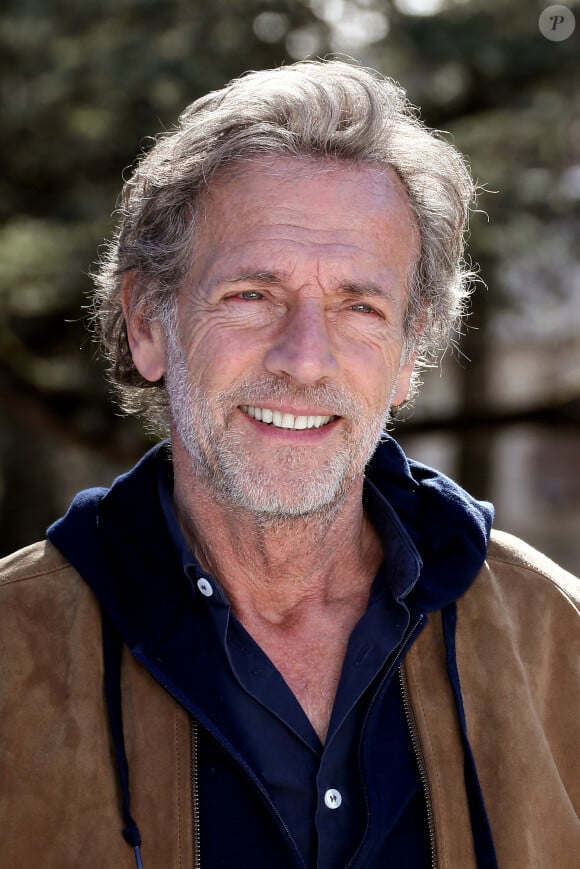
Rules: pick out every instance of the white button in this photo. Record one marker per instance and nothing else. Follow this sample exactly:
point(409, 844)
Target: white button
point(332, 798)
point(205, 587)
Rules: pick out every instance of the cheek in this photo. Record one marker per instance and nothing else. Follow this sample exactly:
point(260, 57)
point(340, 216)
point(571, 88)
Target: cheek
point(218, 356)
point(374, 365)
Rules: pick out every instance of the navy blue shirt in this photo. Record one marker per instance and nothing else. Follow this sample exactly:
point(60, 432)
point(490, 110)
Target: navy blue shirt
point(319, 790)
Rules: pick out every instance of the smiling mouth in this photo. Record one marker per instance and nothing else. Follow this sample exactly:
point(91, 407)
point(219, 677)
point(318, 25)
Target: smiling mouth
point(286, 420)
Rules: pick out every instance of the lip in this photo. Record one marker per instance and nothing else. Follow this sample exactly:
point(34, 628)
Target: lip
point(290, 435)
point(286, 408)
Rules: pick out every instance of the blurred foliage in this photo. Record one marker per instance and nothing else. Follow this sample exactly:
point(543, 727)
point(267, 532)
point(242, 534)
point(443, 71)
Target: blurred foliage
point(83, 85)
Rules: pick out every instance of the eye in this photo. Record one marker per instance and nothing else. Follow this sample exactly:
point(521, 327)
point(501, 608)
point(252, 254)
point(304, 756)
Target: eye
point(362, 308)
point(250, 296)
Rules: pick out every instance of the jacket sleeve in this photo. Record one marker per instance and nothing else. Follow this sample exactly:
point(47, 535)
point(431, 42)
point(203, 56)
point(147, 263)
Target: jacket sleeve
point(518, 654)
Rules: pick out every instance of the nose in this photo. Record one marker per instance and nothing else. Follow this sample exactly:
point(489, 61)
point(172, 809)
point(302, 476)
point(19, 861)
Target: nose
point(302, 349)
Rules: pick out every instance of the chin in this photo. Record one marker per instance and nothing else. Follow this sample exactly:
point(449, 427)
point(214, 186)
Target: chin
point(291, 499)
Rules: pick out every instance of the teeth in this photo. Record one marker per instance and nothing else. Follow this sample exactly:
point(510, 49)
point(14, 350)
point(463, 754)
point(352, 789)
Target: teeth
point(285, 420)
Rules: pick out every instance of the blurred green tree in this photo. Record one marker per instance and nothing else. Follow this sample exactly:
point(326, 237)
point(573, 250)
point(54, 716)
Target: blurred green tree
point(83, 85)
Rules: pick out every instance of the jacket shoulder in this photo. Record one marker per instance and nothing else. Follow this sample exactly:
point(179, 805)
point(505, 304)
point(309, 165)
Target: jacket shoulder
point(33, 562)
point(510, 558)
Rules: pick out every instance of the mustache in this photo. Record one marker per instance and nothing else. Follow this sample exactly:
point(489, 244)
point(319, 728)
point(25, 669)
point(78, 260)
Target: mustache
point(269, 387)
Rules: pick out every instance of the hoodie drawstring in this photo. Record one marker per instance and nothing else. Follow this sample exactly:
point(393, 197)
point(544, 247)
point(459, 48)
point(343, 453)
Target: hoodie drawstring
point(482, 839)
point(112, 654)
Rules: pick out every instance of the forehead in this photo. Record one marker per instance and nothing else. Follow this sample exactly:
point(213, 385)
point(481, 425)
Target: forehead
point(285, 207)
point(289, 180)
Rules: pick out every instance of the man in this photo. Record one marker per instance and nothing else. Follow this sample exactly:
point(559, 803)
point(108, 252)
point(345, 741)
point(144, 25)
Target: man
point(276, 642)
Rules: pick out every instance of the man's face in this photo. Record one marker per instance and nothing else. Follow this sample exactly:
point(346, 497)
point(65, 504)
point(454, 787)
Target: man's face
point(289, 340)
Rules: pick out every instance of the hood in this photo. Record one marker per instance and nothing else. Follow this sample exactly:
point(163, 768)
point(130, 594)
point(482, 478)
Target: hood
point(449, 527)
point(121, 532)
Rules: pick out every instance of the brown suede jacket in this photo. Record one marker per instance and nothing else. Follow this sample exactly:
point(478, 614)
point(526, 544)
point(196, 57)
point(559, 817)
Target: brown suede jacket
point(518, 653)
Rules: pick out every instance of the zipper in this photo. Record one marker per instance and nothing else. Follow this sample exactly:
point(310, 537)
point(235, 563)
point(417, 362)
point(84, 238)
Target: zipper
point(196, 833)
point(139, 655)
point(420, 758)
point(195, 789)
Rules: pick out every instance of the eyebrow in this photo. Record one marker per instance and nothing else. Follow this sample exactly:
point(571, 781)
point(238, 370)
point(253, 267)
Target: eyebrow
point(366, 288)
point(359, 289)
point(257, 278)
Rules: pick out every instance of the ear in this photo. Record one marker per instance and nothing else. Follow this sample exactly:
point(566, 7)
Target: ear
point(145, 336)
point(403, 384)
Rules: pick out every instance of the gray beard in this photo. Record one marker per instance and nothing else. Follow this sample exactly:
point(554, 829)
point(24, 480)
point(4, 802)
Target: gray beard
point(217, 452)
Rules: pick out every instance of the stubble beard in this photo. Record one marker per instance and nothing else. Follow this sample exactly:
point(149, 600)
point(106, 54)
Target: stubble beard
point(282, 487)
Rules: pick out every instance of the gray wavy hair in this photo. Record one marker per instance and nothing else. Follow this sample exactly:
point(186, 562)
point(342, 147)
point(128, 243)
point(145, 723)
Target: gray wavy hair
point(331, 109)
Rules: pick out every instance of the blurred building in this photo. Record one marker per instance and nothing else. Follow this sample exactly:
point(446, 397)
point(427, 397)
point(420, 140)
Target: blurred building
point(531, 427)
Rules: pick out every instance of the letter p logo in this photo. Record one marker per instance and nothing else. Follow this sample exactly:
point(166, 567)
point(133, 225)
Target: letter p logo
point(557, 23)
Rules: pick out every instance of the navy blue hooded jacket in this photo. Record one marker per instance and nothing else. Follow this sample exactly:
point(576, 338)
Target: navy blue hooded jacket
point(122, 543)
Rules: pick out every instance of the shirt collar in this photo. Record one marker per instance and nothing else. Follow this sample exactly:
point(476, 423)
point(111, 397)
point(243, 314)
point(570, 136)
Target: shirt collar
point(190, 564)
point(401, 558)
